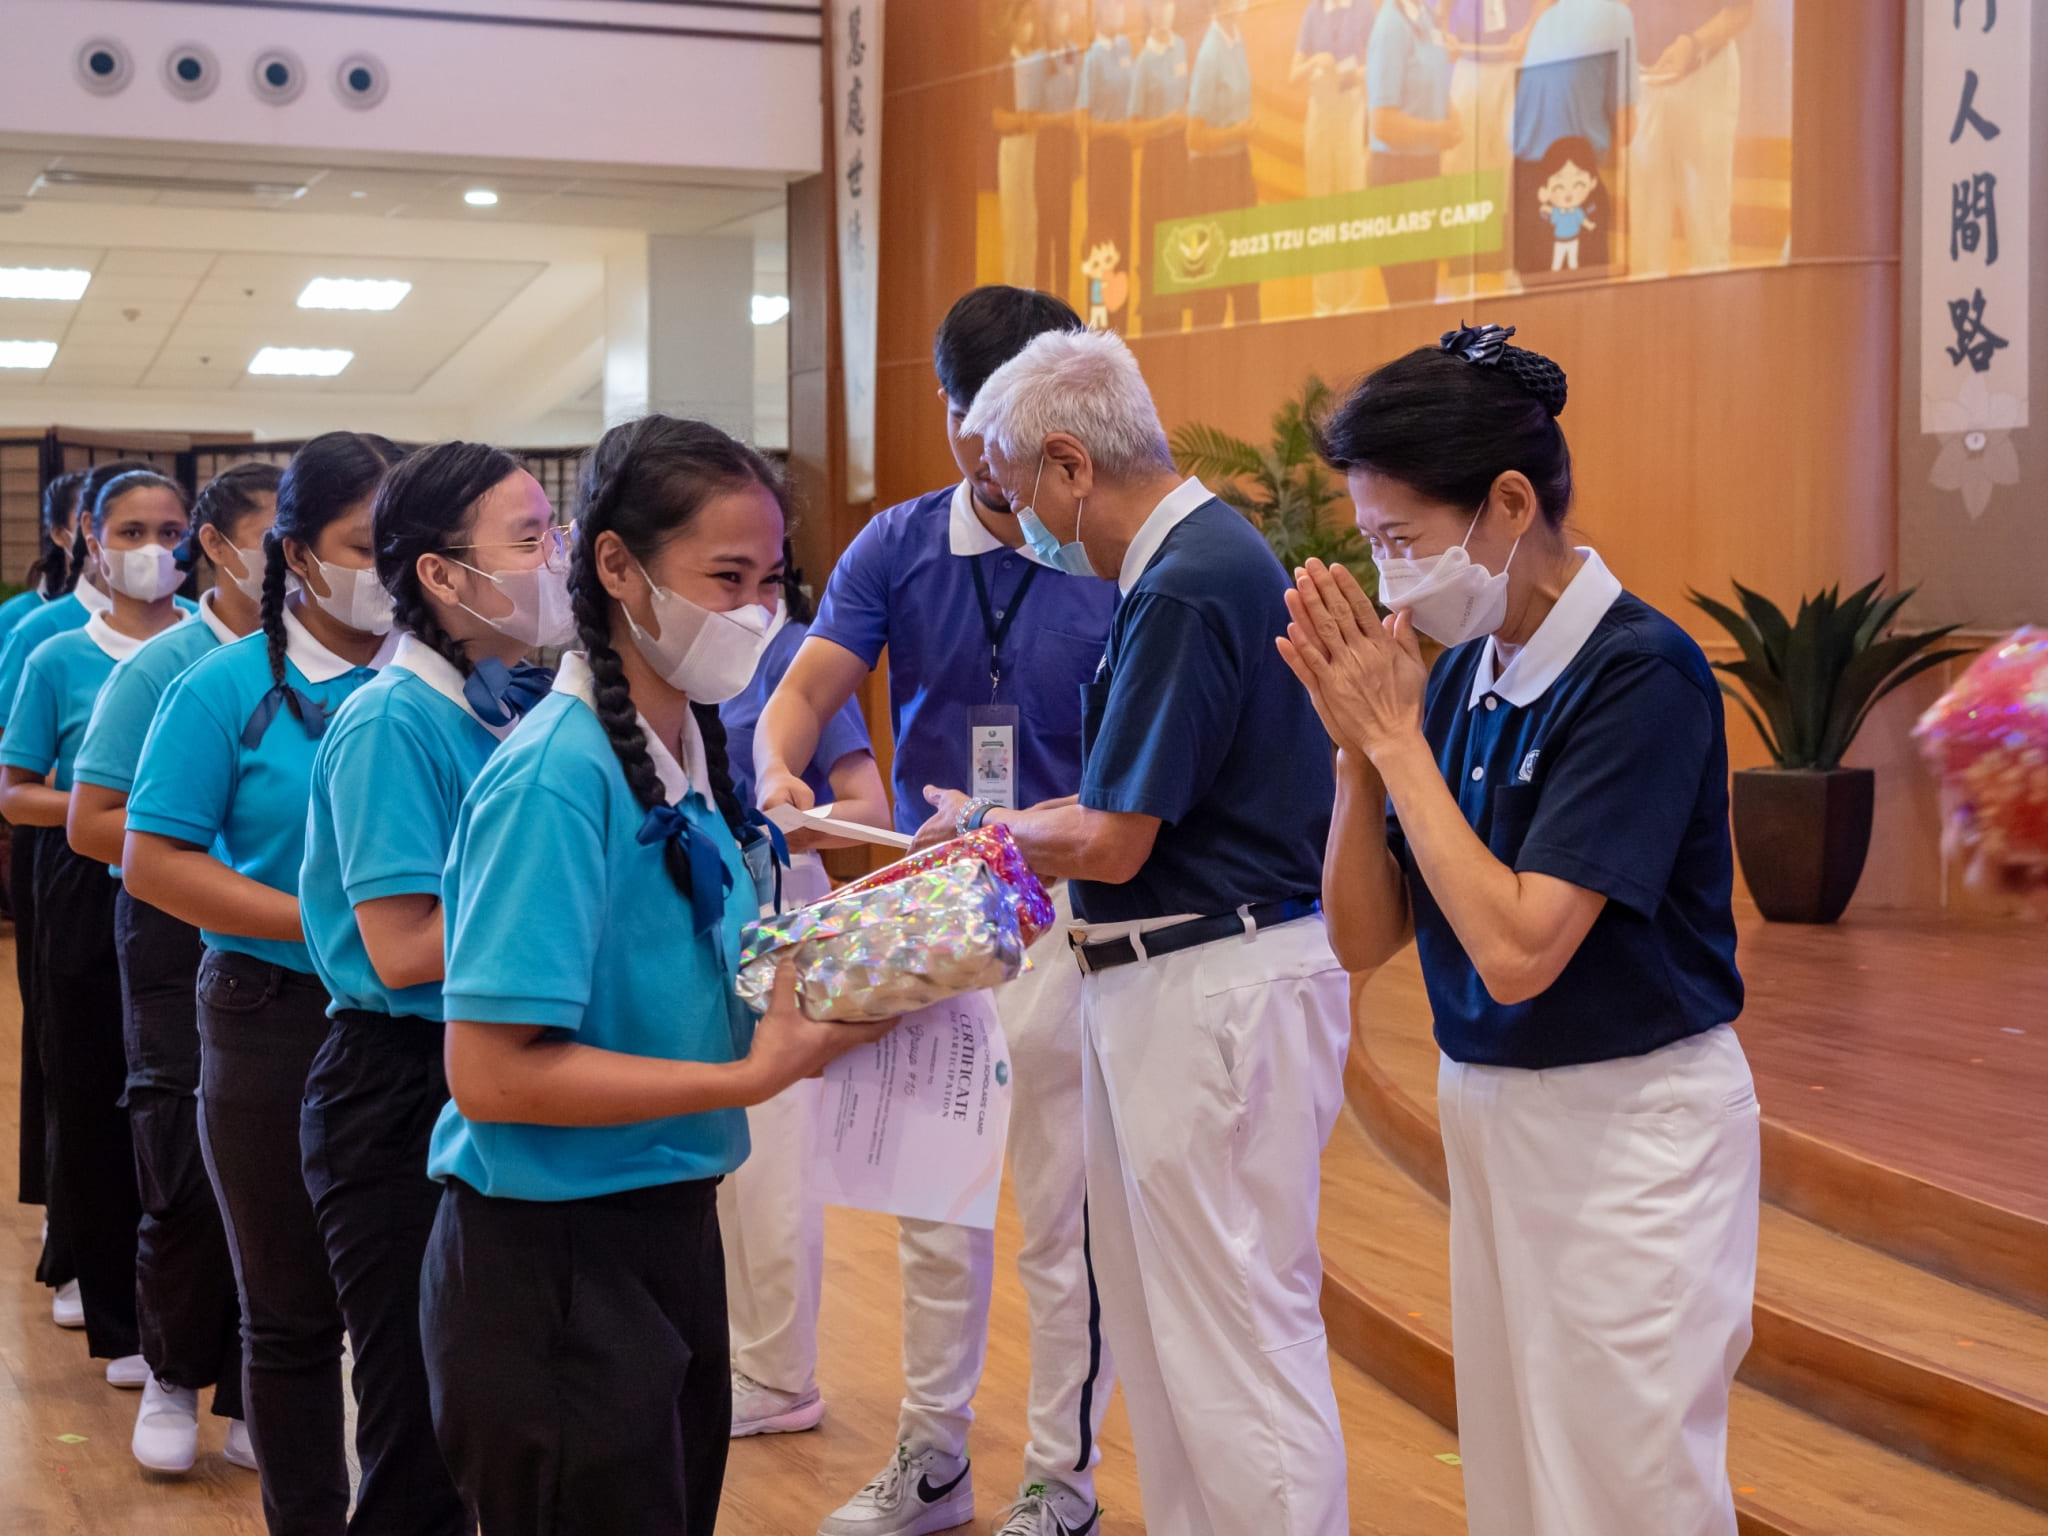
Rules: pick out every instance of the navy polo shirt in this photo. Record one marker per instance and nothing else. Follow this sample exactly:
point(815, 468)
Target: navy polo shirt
point(901, 587)
point(1195, 719)
point(845, 733)
point(1614, 778)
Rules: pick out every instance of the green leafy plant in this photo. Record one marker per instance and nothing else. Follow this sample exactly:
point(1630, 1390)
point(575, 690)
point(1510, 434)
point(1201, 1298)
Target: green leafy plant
point(1813, 682)
point(1284, 488)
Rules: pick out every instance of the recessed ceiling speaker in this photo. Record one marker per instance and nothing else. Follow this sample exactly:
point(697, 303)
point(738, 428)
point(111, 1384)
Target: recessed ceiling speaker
point(277, 76)
point(360, 81)
point(104, 67)
point(191, 72)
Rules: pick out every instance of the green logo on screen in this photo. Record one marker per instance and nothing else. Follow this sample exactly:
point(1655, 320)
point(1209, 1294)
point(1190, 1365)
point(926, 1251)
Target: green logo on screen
point(1195, 252)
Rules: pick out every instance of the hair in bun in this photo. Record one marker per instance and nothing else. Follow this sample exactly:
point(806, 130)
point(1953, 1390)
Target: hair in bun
point(1450, 420)
point(1486, 346)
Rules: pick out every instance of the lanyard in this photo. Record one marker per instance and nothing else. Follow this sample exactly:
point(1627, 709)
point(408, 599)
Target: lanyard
point(996, 632)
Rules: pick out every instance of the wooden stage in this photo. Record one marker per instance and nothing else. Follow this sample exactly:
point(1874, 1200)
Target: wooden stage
point(1898, 1385)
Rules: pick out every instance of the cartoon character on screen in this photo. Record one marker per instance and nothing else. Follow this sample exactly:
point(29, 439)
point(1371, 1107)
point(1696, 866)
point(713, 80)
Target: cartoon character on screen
point(1108, 287)
point(1565, 198)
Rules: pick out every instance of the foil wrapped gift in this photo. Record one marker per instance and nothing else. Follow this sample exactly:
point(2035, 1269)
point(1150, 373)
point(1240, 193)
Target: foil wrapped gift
point(1987, 739)
point(951, 919)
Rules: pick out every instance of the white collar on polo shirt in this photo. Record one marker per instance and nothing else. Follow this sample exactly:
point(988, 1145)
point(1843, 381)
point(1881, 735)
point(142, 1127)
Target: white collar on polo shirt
point(1178, 503)
point(1564, 630)
point(94, 599)
point(967, 534)
point(439, 674)
point(211, 619)
point(574, 678)
point(315, 662)
point(112, 641)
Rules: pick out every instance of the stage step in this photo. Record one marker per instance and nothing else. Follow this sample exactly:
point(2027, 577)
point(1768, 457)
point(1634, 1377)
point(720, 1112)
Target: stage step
point(1387, 1301)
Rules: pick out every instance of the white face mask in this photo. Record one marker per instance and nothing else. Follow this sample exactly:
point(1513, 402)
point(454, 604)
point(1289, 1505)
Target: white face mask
point(250, 582)
point(147, 574)
point(541, 614)
point(709, 655)
point(1449, 598)
point(354, 597)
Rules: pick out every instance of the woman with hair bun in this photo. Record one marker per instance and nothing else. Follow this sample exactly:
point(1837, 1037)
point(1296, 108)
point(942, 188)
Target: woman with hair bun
point(467, 546)
point(1546, 813)
point(598, 1059)
point(216, 834)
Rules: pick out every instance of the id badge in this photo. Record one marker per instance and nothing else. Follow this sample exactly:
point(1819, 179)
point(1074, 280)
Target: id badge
point(992, 749)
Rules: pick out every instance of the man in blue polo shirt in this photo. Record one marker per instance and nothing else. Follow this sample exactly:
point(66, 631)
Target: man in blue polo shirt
point(987, 654)
point(1215, 1017)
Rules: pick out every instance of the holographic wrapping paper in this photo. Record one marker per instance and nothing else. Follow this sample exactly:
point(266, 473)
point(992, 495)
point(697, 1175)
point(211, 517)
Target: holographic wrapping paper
point(1987, 739)
point(993, 846)
point(873, 952)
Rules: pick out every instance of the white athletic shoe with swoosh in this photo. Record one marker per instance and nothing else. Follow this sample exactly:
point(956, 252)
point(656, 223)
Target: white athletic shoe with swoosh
point(919, 1491)
point(1038, 1512)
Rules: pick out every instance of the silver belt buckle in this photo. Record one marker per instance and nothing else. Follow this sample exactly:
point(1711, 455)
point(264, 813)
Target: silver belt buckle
point(1079, 946)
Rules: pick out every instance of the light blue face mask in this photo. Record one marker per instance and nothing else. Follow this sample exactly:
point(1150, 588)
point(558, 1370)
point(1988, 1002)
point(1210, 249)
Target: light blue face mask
point(1070, 559)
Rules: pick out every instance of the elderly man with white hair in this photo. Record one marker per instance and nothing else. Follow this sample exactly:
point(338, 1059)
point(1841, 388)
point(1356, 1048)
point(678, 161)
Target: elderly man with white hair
point(1214, 1014)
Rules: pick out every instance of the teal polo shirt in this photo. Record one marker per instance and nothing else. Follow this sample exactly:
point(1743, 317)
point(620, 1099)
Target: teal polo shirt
point(388, 780)
point(19, 607)
point(558, 915)
point(112, 750)
point(60, 682)
point(200, 785)
point(52, 618)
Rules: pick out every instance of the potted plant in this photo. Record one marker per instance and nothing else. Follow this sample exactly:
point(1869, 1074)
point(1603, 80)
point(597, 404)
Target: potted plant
point(1284, 488)
point(1802, 826)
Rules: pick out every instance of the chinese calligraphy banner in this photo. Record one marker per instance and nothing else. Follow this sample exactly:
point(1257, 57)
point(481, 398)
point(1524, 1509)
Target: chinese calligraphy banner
point(1975, 135)
point(1177, 164)
point(857, 141)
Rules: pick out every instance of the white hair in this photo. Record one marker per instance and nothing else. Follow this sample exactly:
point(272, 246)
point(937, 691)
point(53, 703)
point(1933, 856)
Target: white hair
point(1084, 383)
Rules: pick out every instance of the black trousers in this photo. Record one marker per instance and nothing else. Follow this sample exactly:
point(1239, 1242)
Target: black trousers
point(259, 1027)
point(1411, 282)
point(1109, 210)
point(1162, 195)
point(91, 1171)
point(376, 1088)
point(190, 1321)
point(1054, 165)
point(579, 1358)
point(33, 1188)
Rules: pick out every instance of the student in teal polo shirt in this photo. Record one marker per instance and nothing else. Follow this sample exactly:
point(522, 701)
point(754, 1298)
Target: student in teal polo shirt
point(184, 1280)
point(478, 573)
point(597, 1055)
point(46, 576)
point(216, 833)
point(136, 519)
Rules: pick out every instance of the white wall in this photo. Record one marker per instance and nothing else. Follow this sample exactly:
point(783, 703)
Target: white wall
point(647, 93)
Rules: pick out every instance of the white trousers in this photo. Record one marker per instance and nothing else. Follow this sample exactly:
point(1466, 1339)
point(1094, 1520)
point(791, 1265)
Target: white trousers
point(1214, 1078)
point(1333, 151)
point(1017, 203)
point(1603, 1262)
point(948, 1271)
point(1683, 158)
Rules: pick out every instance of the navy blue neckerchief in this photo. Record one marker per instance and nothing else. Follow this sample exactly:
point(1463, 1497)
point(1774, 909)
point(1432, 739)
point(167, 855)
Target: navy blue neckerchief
point(311, 712)
point(709, 878)
point(500, 694)
point(754, 825)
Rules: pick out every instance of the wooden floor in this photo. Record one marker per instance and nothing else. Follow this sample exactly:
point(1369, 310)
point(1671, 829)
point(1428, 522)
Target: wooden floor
point(65, 1469)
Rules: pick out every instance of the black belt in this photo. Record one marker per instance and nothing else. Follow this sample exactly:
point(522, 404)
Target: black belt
point(1111, 953)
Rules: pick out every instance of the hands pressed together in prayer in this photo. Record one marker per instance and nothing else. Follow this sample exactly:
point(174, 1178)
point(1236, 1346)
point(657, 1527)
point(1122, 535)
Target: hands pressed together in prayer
point(1365, 675)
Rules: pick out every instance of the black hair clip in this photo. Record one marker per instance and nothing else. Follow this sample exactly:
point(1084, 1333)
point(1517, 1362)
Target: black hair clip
point(1481, 344)
point(187, 550)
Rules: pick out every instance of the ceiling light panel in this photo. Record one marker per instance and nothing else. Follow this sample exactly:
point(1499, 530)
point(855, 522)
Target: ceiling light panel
point(63, 283)
point(27, 354)
point(301, 362)
point(370, 293)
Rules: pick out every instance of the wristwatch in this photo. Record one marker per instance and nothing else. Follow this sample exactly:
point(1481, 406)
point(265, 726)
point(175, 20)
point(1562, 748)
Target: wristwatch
point(971, 815)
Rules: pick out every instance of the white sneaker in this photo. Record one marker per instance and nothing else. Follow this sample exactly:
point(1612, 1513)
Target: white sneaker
point(1040, 1511)
point(920, 1491)
point(238, 1449)
point(67, 1307)
point(761, 1410)
point(166, 1428)
point(129, 1373)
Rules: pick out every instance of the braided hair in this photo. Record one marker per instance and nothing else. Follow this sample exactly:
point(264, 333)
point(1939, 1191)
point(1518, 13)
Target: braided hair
point(424, 503)
point(324, 479)
point(60, 506)
point(1450, 420)
point(224, 501)
point(646, 481)
point(96, 480)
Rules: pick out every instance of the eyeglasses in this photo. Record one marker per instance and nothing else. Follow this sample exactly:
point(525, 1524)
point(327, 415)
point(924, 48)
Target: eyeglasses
point(552, 545)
